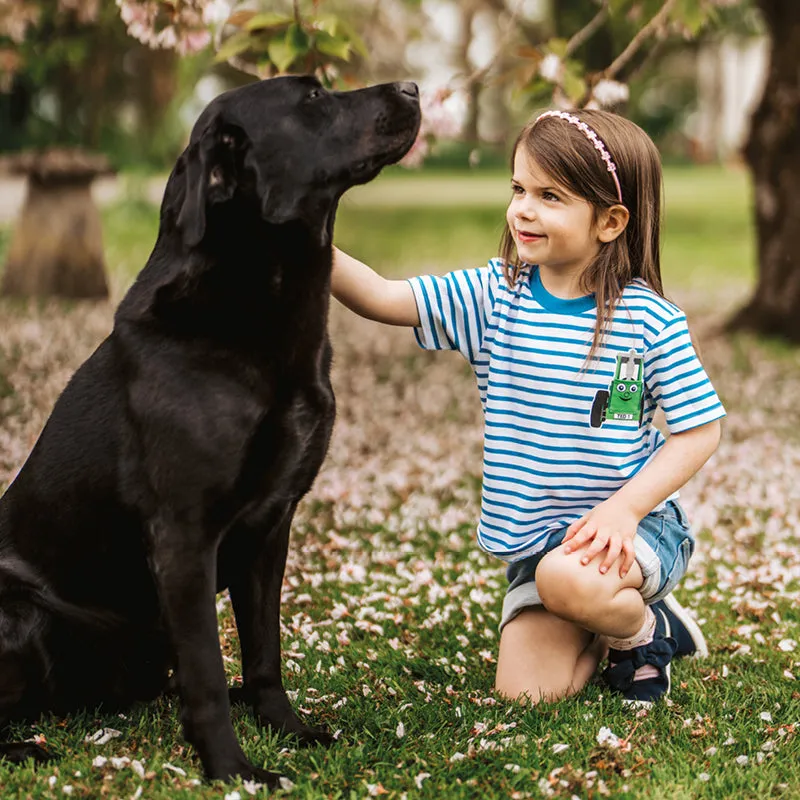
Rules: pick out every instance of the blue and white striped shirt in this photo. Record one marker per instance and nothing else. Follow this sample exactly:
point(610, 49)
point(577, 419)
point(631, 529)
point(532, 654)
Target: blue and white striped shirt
point(558, 436)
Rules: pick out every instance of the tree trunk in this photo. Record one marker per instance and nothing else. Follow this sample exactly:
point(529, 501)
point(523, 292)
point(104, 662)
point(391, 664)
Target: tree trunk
point(468, 10)
point(57, 246)
point(773, 152)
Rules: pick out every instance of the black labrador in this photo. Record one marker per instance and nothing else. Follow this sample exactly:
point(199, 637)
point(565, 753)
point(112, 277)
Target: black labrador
point(173, 462)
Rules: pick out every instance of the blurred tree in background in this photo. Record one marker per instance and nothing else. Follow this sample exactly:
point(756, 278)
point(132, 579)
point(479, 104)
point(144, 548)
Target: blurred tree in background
point(70, 75)
point(773, 153)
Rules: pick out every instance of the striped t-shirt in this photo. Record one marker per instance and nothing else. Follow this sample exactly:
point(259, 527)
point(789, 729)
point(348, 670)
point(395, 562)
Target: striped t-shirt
point(561, 435)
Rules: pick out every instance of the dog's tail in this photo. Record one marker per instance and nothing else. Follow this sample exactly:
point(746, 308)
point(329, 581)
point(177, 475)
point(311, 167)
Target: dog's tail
point(18, 581)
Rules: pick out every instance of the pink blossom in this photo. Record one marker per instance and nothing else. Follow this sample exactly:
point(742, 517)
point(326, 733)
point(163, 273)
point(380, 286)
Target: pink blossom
point(181, 25)
point(439, 121)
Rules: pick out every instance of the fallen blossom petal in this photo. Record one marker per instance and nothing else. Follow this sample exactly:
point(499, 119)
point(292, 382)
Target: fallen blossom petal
point(606, 737)
point(102, 736)
point(420, 778)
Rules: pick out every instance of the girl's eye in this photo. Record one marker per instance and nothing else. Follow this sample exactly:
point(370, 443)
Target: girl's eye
point(517, 189)
point(549, 196)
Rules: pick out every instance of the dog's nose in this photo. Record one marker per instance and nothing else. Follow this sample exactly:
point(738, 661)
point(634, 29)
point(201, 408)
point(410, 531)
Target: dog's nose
point(408, 87)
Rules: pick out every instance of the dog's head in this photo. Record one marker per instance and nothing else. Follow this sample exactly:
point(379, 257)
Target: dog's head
point(290, 147)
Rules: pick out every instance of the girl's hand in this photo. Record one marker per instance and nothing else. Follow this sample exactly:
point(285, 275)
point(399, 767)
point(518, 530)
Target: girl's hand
point(609, 526)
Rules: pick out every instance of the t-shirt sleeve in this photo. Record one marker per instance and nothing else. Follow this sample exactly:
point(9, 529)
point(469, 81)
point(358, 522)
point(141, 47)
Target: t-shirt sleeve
point(675, 378)
point(454, 309)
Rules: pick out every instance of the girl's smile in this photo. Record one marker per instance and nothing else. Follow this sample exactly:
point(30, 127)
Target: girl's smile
point(529, 238)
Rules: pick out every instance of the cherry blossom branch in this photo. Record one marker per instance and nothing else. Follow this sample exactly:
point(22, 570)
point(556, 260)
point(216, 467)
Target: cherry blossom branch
point(479, 74)
point(645, 33)
point(588, 30)
point(604, 80)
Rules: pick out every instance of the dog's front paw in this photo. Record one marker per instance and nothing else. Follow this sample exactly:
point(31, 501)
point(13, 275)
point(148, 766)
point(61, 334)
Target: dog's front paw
point(244, 770)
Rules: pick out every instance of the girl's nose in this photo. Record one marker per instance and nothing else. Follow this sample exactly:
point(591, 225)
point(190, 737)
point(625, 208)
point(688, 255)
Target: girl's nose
point(526, 211)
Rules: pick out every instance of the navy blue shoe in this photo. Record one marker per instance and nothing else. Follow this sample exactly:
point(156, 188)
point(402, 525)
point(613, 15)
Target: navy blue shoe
point(622, 665)
point(684, 630)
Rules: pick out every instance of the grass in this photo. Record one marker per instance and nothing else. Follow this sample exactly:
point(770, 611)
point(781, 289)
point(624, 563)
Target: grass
point(457, 740)
point(389, 630)
point(408, 223)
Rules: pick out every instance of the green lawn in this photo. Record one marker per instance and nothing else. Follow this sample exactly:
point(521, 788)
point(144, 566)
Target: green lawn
point(415, 223)
point(408, 222)
point(389, 611)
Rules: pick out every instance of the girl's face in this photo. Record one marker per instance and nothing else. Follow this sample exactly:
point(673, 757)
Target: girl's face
point(551, 226)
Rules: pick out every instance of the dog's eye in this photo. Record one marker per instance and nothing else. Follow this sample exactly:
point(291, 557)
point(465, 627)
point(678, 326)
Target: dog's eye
point(314, 94)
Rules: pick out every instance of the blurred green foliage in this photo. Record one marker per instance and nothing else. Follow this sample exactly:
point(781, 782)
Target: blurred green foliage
point(707, 241)
point(407, 223)
point(92, 85)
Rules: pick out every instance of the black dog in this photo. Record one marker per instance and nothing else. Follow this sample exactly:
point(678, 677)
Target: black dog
point(173, 462)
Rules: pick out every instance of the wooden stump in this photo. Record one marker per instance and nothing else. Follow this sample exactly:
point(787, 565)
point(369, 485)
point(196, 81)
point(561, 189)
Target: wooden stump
point(57, 245)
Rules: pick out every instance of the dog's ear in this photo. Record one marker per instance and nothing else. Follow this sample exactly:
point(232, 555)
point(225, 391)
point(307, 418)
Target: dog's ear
point(208, 168)
point(286, 200)
point(280, 198)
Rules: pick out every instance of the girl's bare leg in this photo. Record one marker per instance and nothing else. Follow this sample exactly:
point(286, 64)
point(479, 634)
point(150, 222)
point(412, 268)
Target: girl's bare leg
point(603, 603)
point(544, 657)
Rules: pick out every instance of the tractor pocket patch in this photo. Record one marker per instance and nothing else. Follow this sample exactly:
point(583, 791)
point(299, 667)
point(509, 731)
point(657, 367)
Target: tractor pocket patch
point(623, 398)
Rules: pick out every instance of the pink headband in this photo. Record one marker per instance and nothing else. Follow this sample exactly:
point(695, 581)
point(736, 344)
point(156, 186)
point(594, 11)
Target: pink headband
point(593, 138)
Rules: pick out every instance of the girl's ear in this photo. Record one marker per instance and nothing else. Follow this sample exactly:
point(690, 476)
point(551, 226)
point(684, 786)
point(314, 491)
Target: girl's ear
point(612, 222)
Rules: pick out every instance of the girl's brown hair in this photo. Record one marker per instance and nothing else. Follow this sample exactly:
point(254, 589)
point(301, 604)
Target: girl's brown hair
point(566, 154)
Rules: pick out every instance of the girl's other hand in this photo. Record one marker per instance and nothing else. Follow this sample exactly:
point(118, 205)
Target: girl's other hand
point(609, 527)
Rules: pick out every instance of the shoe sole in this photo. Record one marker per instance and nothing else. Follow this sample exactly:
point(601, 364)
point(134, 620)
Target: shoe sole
point(635, 704)
point(696, 635)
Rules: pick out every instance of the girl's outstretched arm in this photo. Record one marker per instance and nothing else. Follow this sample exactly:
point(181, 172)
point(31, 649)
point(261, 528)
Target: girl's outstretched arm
point(362, 290)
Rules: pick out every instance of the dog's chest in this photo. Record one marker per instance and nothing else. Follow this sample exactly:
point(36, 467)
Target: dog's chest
point(292, 439)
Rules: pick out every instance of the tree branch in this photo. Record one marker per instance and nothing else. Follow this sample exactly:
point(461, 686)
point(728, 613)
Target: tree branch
point(513, 26)
point(628, 53)
point(588, 30)
point(533, 33)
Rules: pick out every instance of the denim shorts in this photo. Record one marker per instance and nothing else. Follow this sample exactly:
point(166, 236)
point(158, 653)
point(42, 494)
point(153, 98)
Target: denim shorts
point(663, 546)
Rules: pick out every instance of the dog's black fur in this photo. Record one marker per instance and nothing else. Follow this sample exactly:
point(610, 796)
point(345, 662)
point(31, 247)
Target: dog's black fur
point(173, 462)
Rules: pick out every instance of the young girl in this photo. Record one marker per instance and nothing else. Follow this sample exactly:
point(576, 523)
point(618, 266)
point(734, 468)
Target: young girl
point(574, 346)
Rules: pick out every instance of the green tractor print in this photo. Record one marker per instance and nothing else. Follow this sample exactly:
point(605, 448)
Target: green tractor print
point(624, 399)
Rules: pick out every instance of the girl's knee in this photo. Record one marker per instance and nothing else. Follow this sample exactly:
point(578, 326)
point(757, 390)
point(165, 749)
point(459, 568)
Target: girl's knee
point(562, 583)
point(580, 592)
